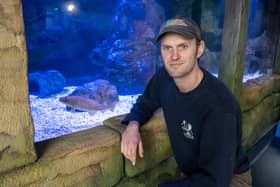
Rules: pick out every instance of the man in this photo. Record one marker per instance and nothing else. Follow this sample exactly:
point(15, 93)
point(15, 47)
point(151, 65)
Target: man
point(203, 118)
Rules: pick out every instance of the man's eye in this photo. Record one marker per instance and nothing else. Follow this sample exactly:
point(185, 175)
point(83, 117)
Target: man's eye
point(183, 46)
point(166, 48)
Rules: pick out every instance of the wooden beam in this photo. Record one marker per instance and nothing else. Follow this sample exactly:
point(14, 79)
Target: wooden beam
point(277, 59)
point(234, 45)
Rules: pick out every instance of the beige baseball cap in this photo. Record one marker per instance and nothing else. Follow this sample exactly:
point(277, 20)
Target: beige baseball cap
point(183, 26)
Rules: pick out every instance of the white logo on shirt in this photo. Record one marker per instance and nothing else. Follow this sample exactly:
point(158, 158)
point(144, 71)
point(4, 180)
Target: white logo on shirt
point(187, 130)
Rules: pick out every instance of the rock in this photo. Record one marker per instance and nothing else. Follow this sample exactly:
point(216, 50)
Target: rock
point(93, 96)
point(154, 14)
point(46, 83)
point(85, 104)
point(153, 131)
point(210, 60)
point(242, 180)
point(102, 91)
point(209, 21)
point(259, 54)
point(213, 40)
point(256, 90)
point(86, 158)
point(128, 56)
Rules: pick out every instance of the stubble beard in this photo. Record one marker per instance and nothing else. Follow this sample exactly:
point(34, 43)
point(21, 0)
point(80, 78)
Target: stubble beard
point(179, 74)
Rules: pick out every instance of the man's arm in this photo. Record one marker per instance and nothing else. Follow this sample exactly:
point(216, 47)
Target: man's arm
point(147, 103)
point(131, 141)
point(141, 112)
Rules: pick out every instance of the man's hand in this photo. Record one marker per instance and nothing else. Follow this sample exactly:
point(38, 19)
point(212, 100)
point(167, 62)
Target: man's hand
point(131, 140)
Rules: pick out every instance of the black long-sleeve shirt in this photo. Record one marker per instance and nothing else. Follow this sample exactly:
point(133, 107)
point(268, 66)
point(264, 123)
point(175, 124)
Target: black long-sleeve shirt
point(204, 127)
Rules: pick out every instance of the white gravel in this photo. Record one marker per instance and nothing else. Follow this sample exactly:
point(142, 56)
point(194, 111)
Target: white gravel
point(51, 119)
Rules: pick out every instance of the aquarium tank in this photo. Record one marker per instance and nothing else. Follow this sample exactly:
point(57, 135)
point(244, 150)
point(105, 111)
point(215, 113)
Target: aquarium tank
point(263, 29)
point(89, 60)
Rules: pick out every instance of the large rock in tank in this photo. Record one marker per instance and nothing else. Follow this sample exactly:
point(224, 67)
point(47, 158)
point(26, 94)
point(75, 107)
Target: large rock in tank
point(93, 96)
point(128, 55)
point(46, 83)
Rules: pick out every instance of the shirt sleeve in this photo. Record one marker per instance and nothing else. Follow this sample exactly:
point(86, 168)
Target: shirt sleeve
point(217, 152)
point(146, 104)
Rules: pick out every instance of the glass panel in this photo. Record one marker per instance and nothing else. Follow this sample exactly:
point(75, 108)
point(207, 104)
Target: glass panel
point(211, 23)
point(263, 28)
point(101, 54)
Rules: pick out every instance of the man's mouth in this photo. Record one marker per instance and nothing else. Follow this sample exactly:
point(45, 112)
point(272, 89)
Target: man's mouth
point(175, 65)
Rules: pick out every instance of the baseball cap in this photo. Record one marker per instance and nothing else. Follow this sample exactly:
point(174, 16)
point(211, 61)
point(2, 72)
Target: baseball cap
point(183, 26)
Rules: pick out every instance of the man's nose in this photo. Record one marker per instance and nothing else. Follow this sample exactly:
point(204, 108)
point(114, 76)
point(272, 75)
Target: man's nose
point(175, 55)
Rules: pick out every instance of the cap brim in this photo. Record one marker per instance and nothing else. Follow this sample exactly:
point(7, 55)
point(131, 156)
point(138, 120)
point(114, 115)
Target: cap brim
point(176, 29)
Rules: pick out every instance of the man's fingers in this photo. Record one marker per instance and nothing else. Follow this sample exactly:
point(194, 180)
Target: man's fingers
point(129, 151)
point(140, 149)
point(122, 147)
point(130, 143)
point(132, 153)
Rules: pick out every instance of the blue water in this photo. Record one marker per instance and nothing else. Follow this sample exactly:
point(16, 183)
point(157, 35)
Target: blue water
point(277, 134)
point(86, 40)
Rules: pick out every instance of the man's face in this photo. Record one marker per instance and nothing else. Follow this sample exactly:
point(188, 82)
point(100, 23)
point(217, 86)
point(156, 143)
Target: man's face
point(180, 55)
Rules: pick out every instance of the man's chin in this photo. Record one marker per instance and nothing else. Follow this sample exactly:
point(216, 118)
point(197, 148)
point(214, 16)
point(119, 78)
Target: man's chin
point(175, 75)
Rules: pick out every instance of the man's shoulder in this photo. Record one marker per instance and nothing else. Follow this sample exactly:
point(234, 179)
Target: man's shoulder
point(214, 82)
point(219, 93)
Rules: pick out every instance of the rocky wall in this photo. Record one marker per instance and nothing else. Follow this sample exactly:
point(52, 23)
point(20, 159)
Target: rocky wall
point(260, 104)
point(93, 158)
point(87, 158)
point(16, 126)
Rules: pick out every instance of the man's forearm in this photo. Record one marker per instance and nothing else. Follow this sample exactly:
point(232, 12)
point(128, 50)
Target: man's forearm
point(131, 142)
point(134, 123)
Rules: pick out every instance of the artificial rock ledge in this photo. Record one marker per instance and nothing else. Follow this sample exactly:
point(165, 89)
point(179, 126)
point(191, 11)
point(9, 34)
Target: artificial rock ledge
point(86, 158)
point(260, 106)
point(16, 126)
point(155, 142)
point(92, 158)
point(158, 164)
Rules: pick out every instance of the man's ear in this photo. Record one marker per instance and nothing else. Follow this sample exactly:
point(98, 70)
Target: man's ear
point(200, 49)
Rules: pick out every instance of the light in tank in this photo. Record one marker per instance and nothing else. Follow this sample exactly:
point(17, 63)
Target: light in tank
point(70, 7)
